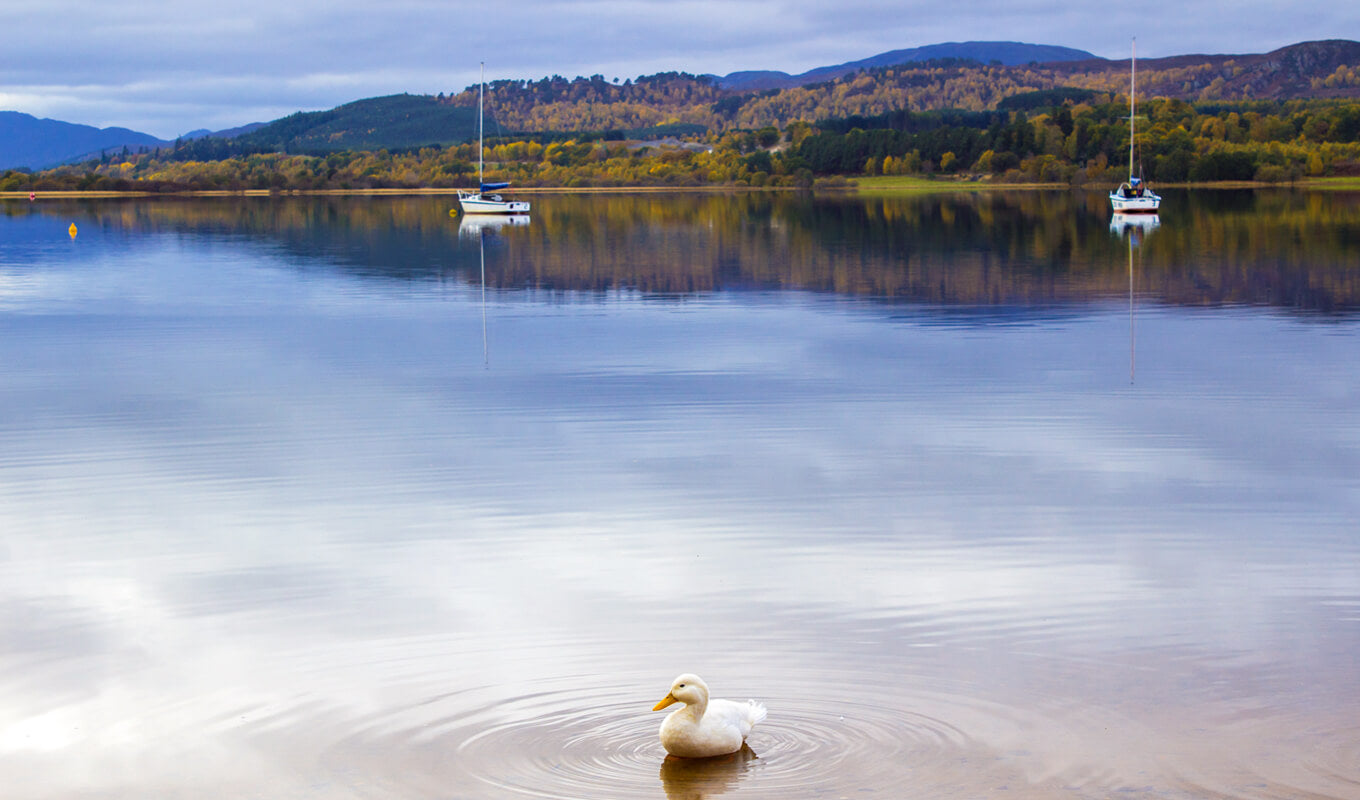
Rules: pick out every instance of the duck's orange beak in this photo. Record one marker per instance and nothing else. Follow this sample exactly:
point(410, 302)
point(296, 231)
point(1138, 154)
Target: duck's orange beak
point(665, 701)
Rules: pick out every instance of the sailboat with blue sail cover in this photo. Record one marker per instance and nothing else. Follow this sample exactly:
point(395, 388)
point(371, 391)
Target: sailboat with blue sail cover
point(486, 200)
point(1134, 196)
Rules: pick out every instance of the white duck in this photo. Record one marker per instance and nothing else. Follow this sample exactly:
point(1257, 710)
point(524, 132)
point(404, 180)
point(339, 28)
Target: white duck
point(705, 727)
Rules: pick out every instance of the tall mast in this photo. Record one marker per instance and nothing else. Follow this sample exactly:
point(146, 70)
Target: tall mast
point(1133, 60)
point(481, 90)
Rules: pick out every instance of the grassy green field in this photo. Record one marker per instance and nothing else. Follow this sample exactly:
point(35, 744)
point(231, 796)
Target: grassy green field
point(1351, 182)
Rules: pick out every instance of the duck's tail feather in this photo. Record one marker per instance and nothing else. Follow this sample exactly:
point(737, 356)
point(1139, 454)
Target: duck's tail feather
point(755, 712)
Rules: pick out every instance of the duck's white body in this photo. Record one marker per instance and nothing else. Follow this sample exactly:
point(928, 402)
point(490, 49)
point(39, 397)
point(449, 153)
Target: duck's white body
point(705, 727)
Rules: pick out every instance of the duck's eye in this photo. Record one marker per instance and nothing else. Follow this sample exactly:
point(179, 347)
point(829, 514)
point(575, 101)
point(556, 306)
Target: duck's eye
point(682, 686)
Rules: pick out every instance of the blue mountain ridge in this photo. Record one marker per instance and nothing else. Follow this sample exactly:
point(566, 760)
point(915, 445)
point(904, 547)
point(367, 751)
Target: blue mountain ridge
point(1007, 53)
point(27, 142)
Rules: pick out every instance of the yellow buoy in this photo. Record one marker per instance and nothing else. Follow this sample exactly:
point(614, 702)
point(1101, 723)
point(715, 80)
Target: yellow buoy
point(72, 230)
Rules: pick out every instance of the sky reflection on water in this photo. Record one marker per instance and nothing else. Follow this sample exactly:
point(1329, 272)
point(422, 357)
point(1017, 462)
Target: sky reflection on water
point(278, 528)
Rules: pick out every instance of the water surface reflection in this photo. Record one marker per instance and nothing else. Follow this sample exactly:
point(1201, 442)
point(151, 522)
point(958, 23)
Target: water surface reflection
point(272, 524)
point(1285, 249)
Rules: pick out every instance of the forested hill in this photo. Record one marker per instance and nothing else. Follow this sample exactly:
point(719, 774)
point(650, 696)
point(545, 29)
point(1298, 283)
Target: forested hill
point(1327, 69)
point(398, 121)
point(594, 104)
point(409, 121)
point(681, 103)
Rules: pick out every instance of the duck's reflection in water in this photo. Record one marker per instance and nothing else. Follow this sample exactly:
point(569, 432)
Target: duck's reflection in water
point(698, 778)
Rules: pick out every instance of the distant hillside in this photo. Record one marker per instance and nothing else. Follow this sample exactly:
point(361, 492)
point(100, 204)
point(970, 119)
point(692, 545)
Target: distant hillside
point(393, 122)
point(594, 104)
point(967, 76)
point(1329, 68)
point(1005, 53)
point(226, 133)
point(29, 142)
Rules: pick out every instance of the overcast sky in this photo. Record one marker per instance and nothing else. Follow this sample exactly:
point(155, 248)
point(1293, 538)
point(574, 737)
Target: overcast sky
point(166, 67)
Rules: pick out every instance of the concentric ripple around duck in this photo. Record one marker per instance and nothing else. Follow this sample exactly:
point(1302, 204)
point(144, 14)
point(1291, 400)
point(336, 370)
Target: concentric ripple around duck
point(603, 743)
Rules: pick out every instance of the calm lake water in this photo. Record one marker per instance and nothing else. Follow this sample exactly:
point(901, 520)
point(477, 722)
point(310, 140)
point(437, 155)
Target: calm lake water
point(981, 498)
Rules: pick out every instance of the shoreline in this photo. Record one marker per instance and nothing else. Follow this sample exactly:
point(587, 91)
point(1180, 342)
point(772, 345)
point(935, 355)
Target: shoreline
point(432, 191)
point(894, 184)
point(904, 185)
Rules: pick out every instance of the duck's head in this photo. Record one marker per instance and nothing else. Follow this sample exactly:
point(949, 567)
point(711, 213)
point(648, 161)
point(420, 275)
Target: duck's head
point(689, 689)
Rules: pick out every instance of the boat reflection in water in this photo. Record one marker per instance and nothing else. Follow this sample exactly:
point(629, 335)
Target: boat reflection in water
point(473, 226)
point(1135, 224)
point(698, 778)
point(476, 227)
point(1137, 227)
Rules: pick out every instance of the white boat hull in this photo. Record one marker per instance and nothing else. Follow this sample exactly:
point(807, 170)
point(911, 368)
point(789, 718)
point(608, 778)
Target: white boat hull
point(475, 203)
point(1148, 203)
